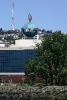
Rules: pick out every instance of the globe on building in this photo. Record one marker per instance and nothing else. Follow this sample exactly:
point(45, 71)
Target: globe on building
point(29, 28)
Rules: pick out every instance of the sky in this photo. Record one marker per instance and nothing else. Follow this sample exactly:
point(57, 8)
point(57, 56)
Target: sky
point(46, 14)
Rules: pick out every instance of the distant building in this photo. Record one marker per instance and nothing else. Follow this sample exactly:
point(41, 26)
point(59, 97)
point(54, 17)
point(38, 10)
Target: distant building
point(15, 50)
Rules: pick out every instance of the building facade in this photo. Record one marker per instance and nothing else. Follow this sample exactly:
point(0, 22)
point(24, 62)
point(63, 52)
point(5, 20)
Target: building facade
point(13, 61)
point(16, 48)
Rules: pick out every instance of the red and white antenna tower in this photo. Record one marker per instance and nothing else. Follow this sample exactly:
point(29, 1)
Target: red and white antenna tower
point(13, 17)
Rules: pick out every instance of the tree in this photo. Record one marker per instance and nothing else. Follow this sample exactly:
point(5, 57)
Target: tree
point(30, 69)
point(53, 52)
point(51, 58)
point(34, 68)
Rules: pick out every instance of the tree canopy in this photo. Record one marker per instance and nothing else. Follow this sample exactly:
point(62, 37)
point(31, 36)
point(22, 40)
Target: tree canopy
point(51, 61)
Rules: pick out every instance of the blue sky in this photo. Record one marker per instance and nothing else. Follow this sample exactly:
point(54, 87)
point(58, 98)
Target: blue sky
point(47, 14)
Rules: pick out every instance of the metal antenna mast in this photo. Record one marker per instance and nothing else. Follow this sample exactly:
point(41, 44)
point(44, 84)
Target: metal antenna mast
point(13, 17)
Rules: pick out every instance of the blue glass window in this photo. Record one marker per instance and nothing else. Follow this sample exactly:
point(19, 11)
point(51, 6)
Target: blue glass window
point(14, 60)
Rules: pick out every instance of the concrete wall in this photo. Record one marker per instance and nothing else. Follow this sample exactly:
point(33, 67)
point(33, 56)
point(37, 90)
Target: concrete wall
point(27, 42)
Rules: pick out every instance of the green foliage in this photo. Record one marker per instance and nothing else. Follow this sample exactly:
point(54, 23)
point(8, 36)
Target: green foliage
point(51, 59)
point(30, 66)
